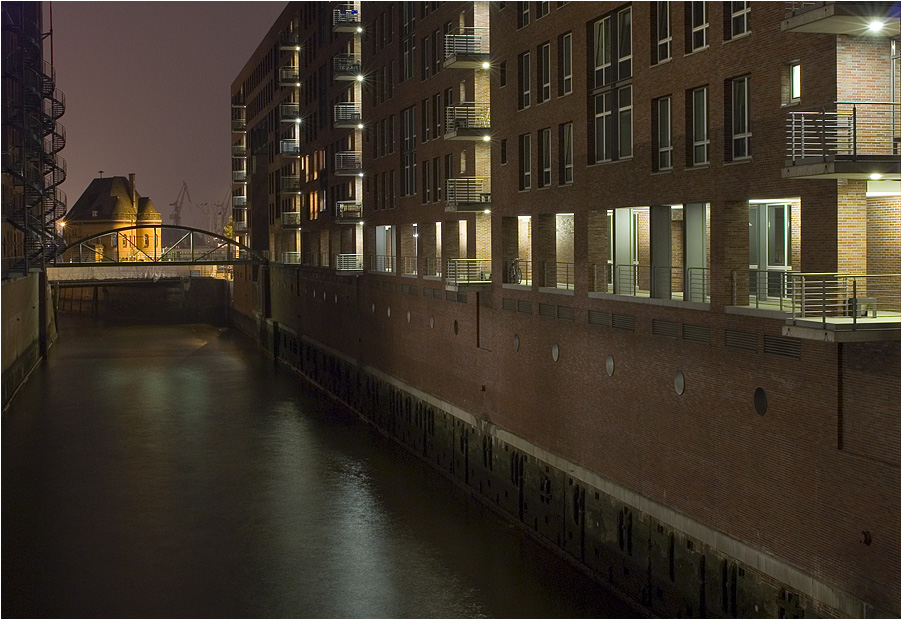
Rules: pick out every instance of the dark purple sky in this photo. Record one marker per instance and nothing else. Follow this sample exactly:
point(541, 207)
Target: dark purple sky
point(147, 91)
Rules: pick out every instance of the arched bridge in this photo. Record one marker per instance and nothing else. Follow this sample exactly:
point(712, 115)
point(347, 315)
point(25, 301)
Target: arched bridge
point(138, 252)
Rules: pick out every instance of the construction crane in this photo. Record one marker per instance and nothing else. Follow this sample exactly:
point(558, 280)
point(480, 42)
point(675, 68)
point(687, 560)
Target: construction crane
point(176, 215)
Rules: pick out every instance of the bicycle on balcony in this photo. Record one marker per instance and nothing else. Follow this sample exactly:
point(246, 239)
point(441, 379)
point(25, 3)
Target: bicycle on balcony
point(514, 275)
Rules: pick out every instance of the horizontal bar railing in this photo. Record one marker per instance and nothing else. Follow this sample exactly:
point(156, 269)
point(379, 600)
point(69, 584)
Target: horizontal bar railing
point(468, 270)
point(467, 41)
point(518, 271)
point(828, 296)
point(346, 64)
point(467, 116)
point(290, 147)
point(349, 262)
point(349, 160)
point(348, 112)
point(849, 129)
point(432, 266)
point(239, 201)
point(558, 274)
point(466, 190)
point(383, 263)
point(290, 218)
point(350, 210)
point(345, 14)
point(291, 258)
point(409, 265)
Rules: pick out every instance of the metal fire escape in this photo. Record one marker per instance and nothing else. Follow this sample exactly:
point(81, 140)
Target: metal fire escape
point(32, 139)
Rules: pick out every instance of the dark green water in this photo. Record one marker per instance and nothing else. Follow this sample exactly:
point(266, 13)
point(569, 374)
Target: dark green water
point(175, 471)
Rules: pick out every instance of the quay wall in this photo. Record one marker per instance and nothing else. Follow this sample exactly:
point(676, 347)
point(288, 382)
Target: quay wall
point(21, 330)
point(703, 468)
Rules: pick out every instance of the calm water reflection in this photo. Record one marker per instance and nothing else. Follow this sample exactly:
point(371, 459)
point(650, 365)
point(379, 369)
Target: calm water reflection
point(173, 471)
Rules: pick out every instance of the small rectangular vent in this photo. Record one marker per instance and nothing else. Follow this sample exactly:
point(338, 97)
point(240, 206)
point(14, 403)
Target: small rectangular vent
point(623, 321)
point(547, 310)
point(412, 290)
point(462, 298)
point(743, 341)
point(697, 333)
point(783, 347)
point(524, 306)
point(509, 304)
point(660, 327)
point(565, 313)
point(597, 317)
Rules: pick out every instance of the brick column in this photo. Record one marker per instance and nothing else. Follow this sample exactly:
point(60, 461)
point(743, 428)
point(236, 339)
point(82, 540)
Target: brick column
point(544, 246)
point(729, 254)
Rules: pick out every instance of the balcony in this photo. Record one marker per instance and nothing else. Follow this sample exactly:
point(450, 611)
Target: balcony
point(349, 163)
point(467, 49)
point(383, 263)
point(289, 76)
point(844, 140)
point(290, 184)
point(239, 176)
point(677, 284)
point(239, 201)
point(291, 148)
point(239, 227)
point(467, 194)
point(852, 18)
point(347, 67)
point(239, 123)
point(346, 18)
point(291, 219)
point(291, 258)
point(290, 112)
point(348, 263)
point(837, 307)
point(290, 41)
point(347, 115)
point(348, 212)
point(468, 274)
point(468, 121)
point(239, 150)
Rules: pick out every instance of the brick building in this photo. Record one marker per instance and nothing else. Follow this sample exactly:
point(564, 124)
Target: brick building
point(630, 271)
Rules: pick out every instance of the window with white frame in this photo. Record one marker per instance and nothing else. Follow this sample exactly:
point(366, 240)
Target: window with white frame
point(662, 20)
point(523, 79)
point(699, 130)
point(624, 43)
point(698, 23)
point(522, 14)
point(544, 72)
point(602, 51)
point(741, 127)
point(663, 134)
point(408, 151)
point(545, 157)
point(739, 18)
point(542, 9)
point(795, 81)
point(602, 126)
point(625, 122)
point(566, 69)
point(566, 153)
point(525, 162)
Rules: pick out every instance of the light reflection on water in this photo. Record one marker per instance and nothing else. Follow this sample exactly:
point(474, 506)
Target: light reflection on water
point(173, 471)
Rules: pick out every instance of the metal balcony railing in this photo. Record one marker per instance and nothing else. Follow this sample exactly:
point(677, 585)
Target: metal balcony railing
point(467, 42)
point(348, 210)
point(518, 271)
point(291, 258)
point(432, 267)
point(239, 176)
point(239, 150)
point(467, 190)
point(769, 289)
point(383, 263)
point(409, 265)
point(239, 226)
point(349, 262)
point(845, 129)
point(290, 184)
point(349, 162)
point(845, 298)
point(558, 274)
point(239, 201)
point(290, 147)
point(291, 218)
point(239, 124)
point(679, 283)
point(289, 112)
point(347, 114)
point(290, 40)
point(290, 76)
point(468, 271)
point(346, 66)
point(467, 116)
point(346, 15)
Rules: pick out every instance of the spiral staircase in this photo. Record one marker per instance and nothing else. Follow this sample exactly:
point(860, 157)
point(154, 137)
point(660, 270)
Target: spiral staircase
point(32, 168)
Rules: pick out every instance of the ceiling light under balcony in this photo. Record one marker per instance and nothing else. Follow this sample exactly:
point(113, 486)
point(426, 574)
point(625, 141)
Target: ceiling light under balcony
point(359, 125)
point(486, 138)
point(486, 64)
point(875, 26)
point(876, 176)
point(360, 174)
point(359, 78)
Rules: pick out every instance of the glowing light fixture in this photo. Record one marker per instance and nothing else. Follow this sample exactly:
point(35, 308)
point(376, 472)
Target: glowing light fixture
point(486, 64)
point(487, 211)
point(359, 78)
point(360, 174)
point(876, 176)
point(359, 29)
point(875, 26)
point(359, 125)
point(486, 138)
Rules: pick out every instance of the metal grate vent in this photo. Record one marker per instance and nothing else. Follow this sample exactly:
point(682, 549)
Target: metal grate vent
point(623, 321)
point(697, 333)
point(743, 341)
point(462, 298)
point(412, 290)
point(660, 327)
point(509, 304)
point(524, 306)
point(597, 317)
point(547, 310)
point(783, 347)
point(565, 313)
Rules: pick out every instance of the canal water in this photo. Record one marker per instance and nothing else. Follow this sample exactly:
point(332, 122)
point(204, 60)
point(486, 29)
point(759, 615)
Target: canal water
point(176, 471)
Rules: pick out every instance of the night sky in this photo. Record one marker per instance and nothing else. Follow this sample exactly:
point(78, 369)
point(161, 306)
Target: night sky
point(147, 88)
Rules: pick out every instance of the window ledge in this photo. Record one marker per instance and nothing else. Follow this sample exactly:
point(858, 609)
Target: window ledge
point(738, 162)
point(792, 104)
point(665, 171)
point(517, 287)
point(662, 62)
point(556, 291)
point(741, 35)
point(697, 50)
point(704, 166)
point(433, 278)
point(649, 301)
